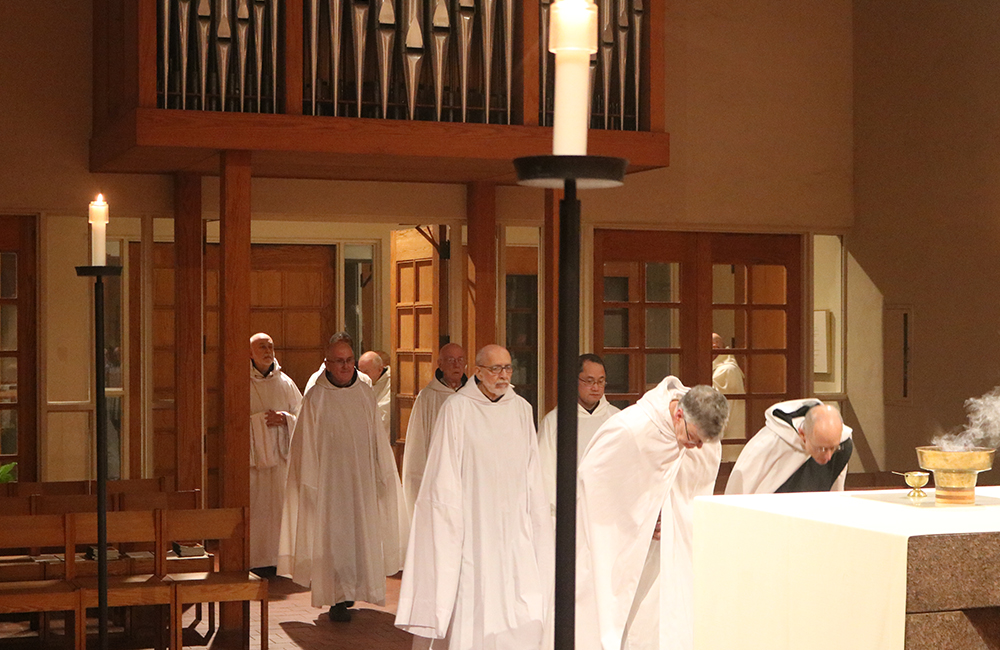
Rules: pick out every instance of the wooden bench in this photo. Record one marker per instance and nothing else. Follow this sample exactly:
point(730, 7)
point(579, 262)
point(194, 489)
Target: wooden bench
point(57, 595)
point(124, 590)
point(224, 524)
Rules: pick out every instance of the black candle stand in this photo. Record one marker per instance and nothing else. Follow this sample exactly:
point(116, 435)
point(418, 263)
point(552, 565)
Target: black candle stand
point(98, 273)
point(568, 173)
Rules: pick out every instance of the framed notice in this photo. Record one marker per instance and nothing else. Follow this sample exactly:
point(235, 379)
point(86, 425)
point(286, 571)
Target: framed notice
point(821, 341)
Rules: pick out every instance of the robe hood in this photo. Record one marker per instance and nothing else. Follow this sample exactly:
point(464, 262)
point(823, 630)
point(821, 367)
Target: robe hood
point(602, 408)
point(258, 375)
point(785, 418)
point(439, 385)
point(656, 402)
point(357, 379)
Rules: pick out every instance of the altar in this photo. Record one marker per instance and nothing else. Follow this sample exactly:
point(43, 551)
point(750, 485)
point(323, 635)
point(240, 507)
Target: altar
point(860, 570)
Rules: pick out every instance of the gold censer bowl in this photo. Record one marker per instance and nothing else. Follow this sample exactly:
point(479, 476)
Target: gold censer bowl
point(955, 472)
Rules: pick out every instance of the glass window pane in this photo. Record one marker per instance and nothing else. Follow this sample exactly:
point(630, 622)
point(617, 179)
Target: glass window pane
point(8, 432)
point(729, 284)
point(663, 327)
point(767, 284)
point(8, 380)
point(522, 329)
point(113, 328)
point(616, 366)
point(615, 289)
point(663, 282)
point(8, 275)
point(659, 366)
point(731, 452)
point(616, 328)
point(731, 326)
point(8, 328)
point(768, 329)
point(114, 412)
point(621, 281)
point(766, 373)
point(522, 292)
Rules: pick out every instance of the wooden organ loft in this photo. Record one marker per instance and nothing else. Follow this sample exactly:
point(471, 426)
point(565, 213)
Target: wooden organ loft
point(443, 91)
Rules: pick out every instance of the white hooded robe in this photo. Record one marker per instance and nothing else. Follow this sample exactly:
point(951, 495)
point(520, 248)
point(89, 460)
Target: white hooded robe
point(587, 425)
point(340, 530)
point(269, 447)
point(418, 435)
point(728, 379)
point(634, 470)
point(383, 400)
point(776, 452)
point(479, 566)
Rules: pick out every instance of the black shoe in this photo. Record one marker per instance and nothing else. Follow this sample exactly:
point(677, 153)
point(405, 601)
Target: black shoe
point(349, 603)
point(339, 613)
point(265, 572)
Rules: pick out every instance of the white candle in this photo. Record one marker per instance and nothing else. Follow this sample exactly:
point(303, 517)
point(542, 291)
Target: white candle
point(98, 231)
point(573, 38)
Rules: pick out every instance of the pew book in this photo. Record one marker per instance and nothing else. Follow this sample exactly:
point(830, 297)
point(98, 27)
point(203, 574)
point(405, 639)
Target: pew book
point(188, 549)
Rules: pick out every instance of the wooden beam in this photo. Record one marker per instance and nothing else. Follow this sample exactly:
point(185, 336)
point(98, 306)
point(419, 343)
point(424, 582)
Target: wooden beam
point(482, 251)
point(146, 53)
point(653, 95)
point(550, 241)
point(234, 327)
point(527, 88)
point(189, 265)
point(293, 57)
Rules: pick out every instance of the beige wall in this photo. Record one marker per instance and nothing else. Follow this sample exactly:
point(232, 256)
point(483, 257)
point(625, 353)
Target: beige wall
point(759, 111)
point(927, 188)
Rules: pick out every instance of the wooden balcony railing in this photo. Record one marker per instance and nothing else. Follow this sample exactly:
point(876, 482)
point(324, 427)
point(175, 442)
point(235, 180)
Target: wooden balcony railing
point(175, 81)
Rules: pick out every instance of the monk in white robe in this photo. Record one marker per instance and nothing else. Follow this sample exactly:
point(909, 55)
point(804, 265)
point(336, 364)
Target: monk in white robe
point(728, 379)
point(645, 464)
point(592, 410)
point(804, 446)
point(274, 404)
point(448, 378)
point(372, 364)
point(365, 379)
point(340, 531)
point(479, 567)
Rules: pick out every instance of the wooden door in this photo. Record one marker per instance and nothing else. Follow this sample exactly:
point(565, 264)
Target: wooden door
point(18, 346)
point(415, 312)
point(659, 297)
point(293, 298)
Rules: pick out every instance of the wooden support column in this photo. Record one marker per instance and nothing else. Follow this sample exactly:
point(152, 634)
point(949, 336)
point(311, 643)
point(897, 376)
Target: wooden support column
point(481, 217)
point(550, 239)
point(234, 328)
point(294, 70)
point(189, 264)
point(444, 285)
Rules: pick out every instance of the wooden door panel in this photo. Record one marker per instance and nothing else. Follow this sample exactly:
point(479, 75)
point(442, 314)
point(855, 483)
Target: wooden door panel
point(759, 310)
point(265, 288)
point(267, 321)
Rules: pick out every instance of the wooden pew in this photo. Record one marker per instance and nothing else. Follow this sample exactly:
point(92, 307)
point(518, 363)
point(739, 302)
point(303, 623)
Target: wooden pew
point(221, 524)
point(126, 589)
point(20, 489)
point(19, 531)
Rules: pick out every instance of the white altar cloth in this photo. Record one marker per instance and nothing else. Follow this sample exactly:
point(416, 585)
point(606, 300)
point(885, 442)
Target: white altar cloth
point(813, 570)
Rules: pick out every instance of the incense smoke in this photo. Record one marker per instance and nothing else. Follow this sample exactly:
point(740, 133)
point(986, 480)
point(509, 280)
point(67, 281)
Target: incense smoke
point(983, 429)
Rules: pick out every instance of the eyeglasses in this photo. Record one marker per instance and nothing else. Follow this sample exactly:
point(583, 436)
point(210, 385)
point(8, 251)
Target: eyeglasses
point(455, 361)
point(341, 362)
point(590, 381)
point(496, 370)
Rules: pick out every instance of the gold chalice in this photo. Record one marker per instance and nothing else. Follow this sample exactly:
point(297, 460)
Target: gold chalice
point(915, 480)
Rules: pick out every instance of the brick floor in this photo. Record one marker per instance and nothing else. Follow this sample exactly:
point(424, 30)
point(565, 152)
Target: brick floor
point(293, 623)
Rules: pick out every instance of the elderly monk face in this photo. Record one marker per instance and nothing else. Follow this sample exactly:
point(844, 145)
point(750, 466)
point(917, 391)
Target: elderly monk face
point(824, 439)
point(590, 387)
point(451, 362)
point(493, 370)
point(688, 435)
point(370, 363)
point(262, 351)
point(340, 362)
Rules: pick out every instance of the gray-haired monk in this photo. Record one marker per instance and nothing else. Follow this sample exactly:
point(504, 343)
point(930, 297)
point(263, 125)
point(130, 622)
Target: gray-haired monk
point(803, 447)
point(448, 378)
point(645, 464)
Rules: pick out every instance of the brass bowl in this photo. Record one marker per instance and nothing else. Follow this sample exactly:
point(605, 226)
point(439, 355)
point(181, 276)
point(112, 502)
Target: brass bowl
point(955, 472)
point(915, 480)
